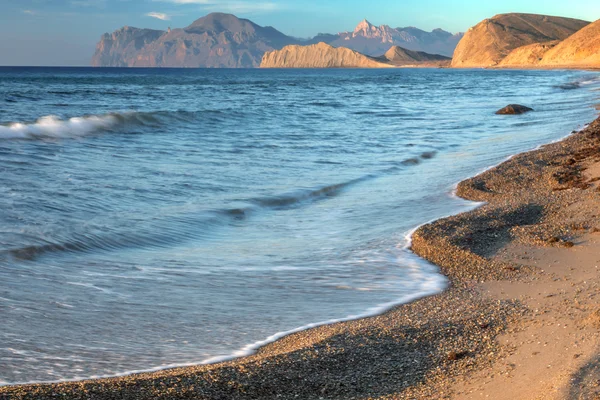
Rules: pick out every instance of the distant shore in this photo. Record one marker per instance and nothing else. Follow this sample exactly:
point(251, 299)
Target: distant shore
point(520, 319)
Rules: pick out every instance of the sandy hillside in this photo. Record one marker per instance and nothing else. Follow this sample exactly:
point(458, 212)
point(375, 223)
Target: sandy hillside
point(580, 49)
point(490, 41)
point(320, 55)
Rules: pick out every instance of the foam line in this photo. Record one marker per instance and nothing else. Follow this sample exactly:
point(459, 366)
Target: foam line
point(434, 284)
point(52, 126)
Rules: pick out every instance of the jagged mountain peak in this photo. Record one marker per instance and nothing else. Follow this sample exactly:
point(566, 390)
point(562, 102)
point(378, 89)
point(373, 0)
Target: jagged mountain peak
point(364, 26)
point(224, 40)
point(365, 29)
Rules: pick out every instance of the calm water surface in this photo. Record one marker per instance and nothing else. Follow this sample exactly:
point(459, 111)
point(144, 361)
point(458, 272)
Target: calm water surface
point(163, 217)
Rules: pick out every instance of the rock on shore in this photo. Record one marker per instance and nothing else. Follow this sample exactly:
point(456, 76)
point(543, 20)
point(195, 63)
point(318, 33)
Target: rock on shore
point(513, 109)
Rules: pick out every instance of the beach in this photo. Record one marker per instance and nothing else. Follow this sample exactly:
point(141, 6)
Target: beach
point(212, 208)
point(519, 321)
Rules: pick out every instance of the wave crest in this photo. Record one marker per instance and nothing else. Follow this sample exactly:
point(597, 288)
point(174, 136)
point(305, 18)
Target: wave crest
point(52, 126)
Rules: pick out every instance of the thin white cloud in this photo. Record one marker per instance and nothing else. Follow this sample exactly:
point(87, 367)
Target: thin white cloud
point(29, 12)
point(89, 3)
point(157, 15)
point(190, 1)
point(242, 7)
point(238, 6)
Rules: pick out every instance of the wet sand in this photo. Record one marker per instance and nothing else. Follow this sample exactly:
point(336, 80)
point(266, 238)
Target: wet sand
point(521, 319)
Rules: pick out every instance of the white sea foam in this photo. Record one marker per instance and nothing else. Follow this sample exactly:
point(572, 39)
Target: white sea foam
point(89, 285)
point(431, 284)
point(590, 81)
point(53, 126)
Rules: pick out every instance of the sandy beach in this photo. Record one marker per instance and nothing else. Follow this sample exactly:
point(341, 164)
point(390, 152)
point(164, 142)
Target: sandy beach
point(520, 320)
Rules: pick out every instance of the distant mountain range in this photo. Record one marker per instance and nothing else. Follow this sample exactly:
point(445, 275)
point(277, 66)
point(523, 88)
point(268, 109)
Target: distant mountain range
point(214, 41)
point(376, 40)
point(224, 41)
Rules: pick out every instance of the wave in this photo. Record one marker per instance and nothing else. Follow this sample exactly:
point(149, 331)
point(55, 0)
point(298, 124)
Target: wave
point(17, 97)
point(431, 283)
point(176, 229)
point(411, 161)
point(428, 155)
point(153, 234)
point(569, 86)
point(332, 104)
point(578, 83)
point(590, 80)
point(51, 126)
point(309, 195)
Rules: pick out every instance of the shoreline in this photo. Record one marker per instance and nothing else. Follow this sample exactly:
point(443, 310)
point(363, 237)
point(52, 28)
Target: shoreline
point(461, 259)
point(253, 348)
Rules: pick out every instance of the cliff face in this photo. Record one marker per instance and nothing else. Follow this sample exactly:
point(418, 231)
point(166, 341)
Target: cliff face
point(320, 55)
point(376, 40)
point(490, 41)
point(582, 49)
point(120, 48)
point(217, 40)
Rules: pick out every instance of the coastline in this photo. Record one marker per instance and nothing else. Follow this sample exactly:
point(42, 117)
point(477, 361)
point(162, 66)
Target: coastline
point(414, 349)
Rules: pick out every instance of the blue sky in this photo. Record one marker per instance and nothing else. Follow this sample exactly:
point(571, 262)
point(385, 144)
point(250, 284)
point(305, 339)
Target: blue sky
point(64, 32)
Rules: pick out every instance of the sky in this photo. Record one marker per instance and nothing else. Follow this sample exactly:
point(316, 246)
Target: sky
point(65, 32)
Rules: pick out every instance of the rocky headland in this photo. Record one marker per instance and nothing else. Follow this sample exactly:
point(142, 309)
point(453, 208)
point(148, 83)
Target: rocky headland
point(322, 55)
point(488, 43)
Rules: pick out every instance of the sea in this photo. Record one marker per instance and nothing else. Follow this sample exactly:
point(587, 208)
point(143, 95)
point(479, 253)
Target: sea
point(152, 218)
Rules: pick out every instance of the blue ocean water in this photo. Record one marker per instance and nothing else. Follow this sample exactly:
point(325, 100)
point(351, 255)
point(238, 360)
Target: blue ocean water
point(151, 218)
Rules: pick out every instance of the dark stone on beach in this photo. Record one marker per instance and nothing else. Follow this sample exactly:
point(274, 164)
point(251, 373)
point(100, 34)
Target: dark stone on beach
point(456, 355)
point(514, 109)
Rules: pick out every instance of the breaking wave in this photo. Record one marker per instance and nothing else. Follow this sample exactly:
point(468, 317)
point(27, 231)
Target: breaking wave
point(578, 83)
point(52, 126)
